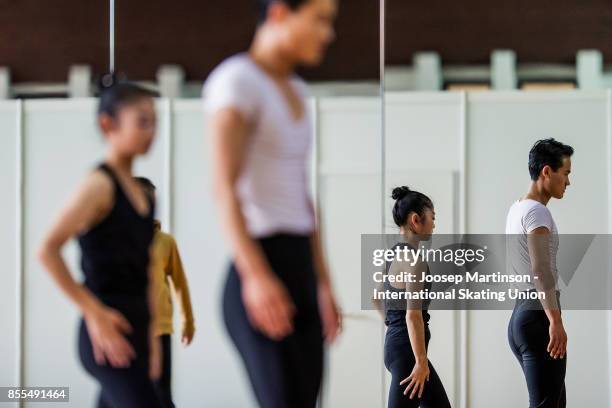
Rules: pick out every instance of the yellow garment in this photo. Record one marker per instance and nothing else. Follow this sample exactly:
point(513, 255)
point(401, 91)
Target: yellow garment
point(167, 270)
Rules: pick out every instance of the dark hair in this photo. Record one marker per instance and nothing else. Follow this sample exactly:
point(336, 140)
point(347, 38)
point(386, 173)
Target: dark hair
point(547, 152)
point(119, 94)
point(264, 5)
point(407, 201)
point(146, 183)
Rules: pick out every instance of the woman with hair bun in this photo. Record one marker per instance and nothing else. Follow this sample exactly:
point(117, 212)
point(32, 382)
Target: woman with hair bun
point(415, 382)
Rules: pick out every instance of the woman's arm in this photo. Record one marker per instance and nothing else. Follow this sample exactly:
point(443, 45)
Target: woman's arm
point(267, 302)
point(181, 289)
point(89, 204)
point(416, 329)
point(155, 357)
point(81, 212)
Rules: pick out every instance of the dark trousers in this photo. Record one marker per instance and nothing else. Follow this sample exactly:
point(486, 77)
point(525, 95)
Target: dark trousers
point(163, 386)
point(528, 337)
point(400, 360)
point(285, 373)
point(122, 387)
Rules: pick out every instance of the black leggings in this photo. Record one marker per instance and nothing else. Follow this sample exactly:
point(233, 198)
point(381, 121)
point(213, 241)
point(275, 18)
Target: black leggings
point(286, 373)
point(163, 385)
point(399, 360)
point(528, 337)
point(122, 387)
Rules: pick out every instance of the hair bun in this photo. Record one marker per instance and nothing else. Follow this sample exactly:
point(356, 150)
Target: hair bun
point(110, 79)
point(400, 192)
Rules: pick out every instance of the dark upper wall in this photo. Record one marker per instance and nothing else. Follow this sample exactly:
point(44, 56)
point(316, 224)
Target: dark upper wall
point(46, 37)
point(39, 40)
point(466, 31)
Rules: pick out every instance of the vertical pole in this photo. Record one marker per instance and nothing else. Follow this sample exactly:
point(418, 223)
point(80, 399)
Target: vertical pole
point(111, 38)
point(463, 314)
point(19, 186)
point(609, 164)
point(383, 165)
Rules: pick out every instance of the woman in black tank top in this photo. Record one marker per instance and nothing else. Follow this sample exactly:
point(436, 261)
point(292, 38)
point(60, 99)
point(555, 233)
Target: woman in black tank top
point(113, 219)
point(414, 382)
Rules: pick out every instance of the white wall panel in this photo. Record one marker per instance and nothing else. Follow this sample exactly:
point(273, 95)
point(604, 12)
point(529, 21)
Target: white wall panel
point(209, 372)
point(424, 144)
point(502, 129)
point(8, 227)
point(349, 195)
point(61, 145)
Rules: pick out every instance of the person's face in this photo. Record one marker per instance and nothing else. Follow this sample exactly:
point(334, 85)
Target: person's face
point(308, 30)
point(557, 181)
point(132, 131)
point(423, 225)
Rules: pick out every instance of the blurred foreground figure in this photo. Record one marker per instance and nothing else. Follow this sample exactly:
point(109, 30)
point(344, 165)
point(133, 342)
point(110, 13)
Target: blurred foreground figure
point(278, 303)
point(112, 216)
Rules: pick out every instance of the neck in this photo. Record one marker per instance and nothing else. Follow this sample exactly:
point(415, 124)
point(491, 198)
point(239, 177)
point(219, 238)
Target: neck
point(267, 54)
point(538, 193)
point(409, 237)
point(123, 164)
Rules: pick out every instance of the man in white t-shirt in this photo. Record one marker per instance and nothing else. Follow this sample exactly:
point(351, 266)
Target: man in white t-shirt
point(535, 332)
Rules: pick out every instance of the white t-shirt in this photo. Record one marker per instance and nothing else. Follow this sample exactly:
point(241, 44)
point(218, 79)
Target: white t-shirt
point(273, 186)
point(523, 217)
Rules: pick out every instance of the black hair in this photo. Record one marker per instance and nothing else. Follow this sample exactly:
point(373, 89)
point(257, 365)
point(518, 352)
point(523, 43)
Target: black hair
point(407, 201)
point(547, 152)
point(264, 5)
point(146, 183)
point(116, 94)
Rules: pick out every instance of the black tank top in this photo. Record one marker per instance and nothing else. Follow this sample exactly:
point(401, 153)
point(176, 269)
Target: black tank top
point(115, 252)
point(395, 310)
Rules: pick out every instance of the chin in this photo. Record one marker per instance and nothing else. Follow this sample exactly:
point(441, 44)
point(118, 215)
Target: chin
point(312, 60)
point(144, 150)
point(148, 146)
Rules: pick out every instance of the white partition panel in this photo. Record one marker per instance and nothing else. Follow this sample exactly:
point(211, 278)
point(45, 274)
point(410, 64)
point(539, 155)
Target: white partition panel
point(61, 145)
point(209, 372)
point(423, 131)
point(502, 129)
point(349, 195)
point(425, 141)
point(343, 231)
point(9, 320)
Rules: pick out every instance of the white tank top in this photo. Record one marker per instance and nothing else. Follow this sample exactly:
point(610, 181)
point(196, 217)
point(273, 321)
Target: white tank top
point(273, 186)
point(523, 217)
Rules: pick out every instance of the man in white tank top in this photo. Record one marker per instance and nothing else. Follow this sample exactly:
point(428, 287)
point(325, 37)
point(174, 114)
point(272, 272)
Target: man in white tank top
point(524, 217)
point(278, 302)
point(535, 332)
point(273, 183)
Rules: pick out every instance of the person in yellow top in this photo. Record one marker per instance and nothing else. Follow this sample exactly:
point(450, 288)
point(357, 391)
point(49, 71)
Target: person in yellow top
point(168, 271)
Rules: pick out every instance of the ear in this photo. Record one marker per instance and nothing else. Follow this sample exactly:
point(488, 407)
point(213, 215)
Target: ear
point(277, 11)
point(415, 219)
point(546, 170)
point(106, 123)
